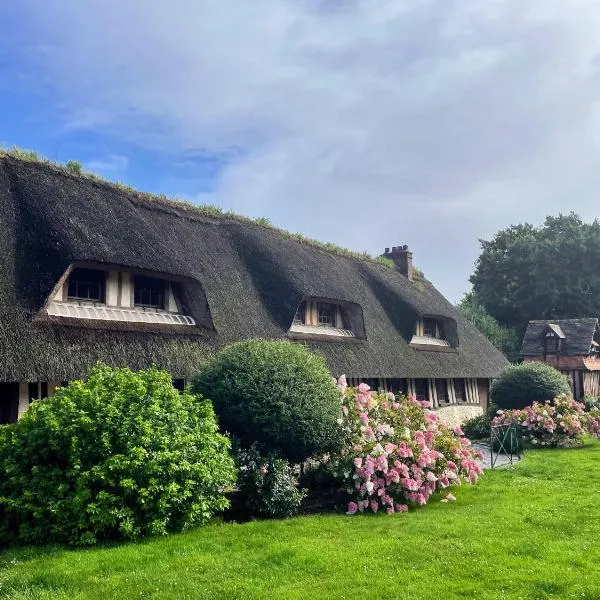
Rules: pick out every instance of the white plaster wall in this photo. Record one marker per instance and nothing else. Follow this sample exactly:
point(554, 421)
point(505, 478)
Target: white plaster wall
point(23, 398)
point(459, 413)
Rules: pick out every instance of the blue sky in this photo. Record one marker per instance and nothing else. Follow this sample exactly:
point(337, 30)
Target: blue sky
point(368, 123)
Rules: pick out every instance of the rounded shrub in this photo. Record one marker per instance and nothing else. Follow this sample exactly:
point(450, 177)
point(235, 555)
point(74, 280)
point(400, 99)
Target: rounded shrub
point(121, 455)
point(520, 385)
point(275, 393)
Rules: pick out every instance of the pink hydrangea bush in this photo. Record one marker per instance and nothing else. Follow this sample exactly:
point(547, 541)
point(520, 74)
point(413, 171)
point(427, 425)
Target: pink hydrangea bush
point(397, 453)
point(557, 423)
point(593, 422)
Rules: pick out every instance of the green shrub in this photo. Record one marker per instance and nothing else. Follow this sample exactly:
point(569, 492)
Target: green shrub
point(121, 455)
point(520, 385)
point(267, 486)
point(275, 393)
point(477, 428)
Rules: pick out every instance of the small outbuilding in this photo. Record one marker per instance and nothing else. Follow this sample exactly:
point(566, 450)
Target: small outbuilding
point(570, 345)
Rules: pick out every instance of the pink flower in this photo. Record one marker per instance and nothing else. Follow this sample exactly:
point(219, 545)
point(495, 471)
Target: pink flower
point(342, 383)
point(374, 506)
point(358, 462)
point(431, 476)
point(404, 451)
point(352, 508)
point(364, 418)
point(401, 508)
point(430, 417)
point(369, 435)
point(363, 388)
point(264, 470)
point(369, 486)
point(458, 430)
point(389, 510)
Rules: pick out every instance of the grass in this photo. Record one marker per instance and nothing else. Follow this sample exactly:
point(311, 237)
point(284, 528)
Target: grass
point(529, 532)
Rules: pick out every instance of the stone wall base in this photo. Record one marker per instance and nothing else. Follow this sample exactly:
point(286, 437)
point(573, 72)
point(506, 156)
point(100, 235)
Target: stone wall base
point(458, 413)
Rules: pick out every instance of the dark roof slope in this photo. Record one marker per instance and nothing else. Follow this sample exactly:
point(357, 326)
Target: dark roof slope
point(253, 278)
point(578, 336)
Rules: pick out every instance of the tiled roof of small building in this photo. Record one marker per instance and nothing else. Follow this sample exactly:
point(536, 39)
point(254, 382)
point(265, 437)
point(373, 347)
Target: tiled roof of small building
point(577, 336)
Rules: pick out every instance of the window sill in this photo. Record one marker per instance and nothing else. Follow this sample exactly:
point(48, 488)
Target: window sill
point(101, 312)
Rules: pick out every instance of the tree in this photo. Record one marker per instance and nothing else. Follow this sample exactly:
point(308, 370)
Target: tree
point(548, 272)
point(504, 338)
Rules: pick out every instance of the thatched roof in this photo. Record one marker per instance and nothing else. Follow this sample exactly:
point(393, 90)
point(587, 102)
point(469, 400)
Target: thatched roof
point(577, 336)
point(252, 277)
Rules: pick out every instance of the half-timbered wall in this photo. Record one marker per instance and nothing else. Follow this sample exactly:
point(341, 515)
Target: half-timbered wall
point(440, 393)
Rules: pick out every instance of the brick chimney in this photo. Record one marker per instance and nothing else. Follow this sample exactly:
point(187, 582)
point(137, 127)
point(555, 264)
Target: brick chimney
point(402, 257)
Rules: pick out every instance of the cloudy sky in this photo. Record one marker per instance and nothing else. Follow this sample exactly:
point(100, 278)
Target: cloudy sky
point(368, 123)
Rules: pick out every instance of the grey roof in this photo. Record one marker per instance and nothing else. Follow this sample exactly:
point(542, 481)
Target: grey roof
point(247, 279)
point(577, 335)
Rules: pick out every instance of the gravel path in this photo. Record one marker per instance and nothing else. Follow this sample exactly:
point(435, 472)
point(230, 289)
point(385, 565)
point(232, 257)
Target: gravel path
point(501, 460)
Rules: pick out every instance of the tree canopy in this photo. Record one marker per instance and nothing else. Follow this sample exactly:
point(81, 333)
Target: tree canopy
point(547, 272)
point(504, 338)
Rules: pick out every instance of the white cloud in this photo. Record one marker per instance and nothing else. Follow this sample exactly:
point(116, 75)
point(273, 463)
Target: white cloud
point(366, 122)
point(109, 164)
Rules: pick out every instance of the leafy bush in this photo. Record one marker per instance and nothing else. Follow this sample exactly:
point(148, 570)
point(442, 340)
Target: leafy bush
point(275, 393)
point(520, 385)
point(121, 455)
point(267, 486)
point(477, 427)
point(397, 452)
point(555, 423)
point(591, 402)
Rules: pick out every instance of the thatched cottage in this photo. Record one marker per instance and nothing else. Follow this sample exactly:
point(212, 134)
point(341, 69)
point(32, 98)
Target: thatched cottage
point(92, 271)
point(570, 345)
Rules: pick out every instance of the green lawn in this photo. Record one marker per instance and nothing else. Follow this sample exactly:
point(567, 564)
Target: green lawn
point(530, 532)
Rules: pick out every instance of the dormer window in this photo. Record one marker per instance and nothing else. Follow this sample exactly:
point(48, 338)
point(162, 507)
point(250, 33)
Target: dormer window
point(551, 343)
point(149, 292)
point(111, 293)
point(87, 285)
point(320, 317)
point(552, 339)
point(433, 328)
point(436, 334)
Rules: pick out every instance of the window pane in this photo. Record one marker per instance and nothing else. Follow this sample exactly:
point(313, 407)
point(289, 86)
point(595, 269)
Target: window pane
point(459, 390)
point(87, 284)
point(326, 313)
point(421, 389)
point(429, 327)
point(441, 388)
point(149, 291)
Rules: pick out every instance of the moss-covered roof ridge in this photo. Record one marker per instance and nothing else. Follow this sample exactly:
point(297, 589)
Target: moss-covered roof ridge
point(180, 205)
